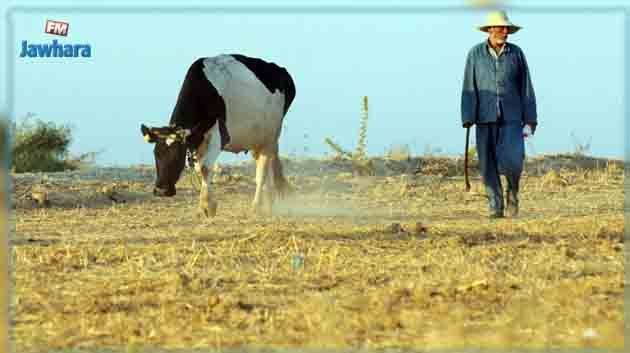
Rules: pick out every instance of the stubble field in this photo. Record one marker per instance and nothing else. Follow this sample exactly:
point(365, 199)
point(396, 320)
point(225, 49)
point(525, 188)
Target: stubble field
point(391, 260)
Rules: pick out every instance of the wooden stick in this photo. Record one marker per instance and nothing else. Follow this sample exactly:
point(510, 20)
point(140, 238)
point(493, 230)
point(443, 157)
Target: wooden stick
point(466, 160)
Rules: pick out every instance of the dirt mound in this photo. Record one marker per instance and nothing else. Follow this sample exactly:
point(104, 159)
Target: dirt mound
point(92, 194)
point(424, 165)
point(102, 187)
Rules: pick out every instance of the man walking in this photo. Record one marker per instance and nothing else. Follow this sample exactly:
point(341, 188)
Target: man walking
point(498, 97)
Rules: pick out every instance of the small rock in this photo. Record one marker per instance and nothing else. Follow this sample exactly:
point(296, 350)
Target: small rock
point(590, 333)
point(419, 228)
point(395, 228)
point(41, 198)
point(111, 192)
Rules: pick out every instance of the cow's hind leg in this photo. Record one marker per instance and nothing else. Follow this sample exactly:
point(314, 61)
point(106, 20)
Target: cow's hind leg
point(207, 203)
point(280, 185)
point(270, 188)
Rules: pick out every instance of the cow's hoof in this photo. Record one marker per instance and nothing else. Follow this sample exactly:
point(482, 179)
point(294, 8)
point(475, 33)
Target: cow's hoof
point(209, 210)
point(261, 210)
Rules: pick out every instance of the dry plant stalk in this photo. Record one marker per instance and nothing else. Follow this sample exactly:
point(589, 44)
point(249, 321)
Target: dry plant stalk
point(340, 152)
point(361, 152)
point(361, 149)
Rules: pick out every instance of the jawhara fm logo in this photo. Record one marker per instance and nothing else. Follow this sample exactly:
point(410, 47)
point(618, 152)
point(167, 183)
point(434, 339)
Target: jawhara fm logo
point(55, 49)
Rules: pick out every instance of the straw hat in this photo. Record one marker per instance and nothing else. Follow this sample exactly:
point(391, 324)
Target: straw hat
point(499, 18)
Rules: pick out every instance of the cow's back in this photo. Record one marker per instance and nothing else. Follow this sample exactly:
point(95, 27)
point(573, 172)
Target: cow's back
point(274, 77)
point(256, 94)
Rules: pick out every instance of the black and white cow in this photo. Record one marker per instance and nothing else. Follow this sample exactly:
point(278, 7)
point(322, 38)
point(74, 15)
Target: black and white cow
point(227, 102)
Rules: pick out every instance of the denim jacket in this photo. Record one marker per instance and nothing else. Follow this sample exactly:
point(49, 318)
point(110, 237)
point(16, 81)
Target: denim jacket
point(491, 84)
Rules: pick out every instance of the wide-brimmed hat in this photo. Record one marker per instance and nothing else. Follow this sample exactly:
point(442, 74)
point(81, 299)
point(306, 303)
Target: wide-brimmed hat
point(499, 18)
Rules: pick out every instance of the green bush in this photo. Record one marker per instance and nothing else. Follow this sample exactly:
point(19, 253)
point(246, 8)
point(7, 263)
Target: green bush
point(39, 146)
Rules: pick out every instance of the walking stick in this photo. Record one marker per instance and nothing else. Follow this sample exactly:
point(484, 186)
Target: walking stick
point(466, 160)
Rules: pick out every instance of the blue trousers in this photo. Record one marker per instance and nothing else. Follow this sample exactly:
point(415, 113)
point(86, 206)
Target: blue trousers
point(501, 151)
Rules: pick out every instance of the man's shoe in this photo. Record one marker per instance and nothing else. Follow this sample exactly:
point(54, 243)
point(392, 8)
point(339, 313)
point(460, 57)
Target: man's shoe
point(512, 211)
point(512, 206)
point(495, 215)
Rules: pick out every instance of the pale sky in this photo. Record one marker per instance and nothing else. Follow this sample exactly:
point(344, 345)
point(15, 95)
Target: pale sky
point(410, 65)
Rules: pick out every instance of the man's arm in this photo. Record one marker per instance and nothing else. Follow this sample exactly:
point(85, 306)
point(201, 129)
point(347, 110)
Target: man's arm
point(527, 95)
point(470, 99)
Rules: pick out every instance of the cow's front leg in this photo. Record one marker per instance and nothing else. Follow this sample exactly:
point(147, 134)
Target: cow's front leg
point(261, 203)
point(210, 150)
point(207, 204)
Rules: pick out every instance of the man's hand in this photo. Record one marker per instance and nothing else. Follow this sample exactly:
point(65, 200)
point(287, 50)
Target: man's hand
point(467, 124)
point(533, 127)
point(529, 129)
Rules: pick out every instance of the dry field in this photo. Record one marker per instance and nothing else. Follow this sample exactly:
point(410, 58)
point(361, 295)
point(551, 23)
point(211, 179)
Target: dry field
point(398, 261)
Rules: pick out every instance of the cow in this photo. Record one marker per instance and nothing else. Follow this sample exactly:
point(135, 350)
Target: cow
point(229, 102)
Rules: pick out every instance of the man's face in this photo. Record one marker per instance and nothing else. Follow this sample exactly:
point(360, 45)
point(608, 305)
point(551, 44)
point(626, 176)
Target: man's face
point(498, 35)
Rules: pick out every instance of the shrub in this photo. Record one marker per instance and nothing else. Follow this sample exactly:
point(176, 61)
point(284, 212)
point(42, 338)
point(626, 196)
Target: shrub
point(4, 140)
point(39, 146)
point(399, 152)
point(580, 148)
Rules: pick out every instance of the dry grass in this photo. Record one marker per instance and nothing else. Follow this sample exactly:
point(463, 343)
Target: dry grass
point(4, 260)
point(388, 262)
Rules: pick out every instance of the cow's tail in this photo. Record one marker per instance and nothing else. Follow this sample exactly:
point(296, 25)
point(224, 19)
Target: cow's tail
point(283, 188)
point(282, 185)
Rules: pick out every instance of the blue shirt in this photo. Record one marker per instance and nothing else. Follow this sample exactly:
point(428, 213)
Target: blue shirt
point(502, 84)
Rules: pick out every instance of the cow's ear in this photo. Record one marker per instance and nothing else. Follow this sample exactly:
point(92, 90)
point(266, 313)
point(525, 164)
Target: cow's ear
point(147, 134)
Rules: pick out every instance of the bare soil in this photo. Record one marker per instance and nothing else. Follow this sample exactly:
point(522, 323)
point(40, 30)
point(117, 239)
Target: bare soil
point(399, 258)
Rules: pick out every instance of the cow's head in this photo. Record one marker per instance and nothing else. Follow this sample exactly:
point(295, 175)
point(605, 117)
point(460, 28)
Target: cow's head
point(170, 155)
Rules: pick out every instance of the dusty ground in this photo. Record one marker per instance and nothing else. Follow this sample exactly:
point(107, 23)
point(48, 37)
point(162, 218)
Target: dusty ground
point(390, 260)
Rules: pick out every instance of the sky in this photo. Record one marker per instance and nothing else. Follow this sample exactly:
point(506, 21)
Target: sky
point(410, 65)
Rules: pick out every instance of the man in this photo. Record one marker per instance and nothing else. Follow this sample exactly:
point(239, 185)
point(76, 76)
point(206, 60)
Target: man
point(498, 97)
